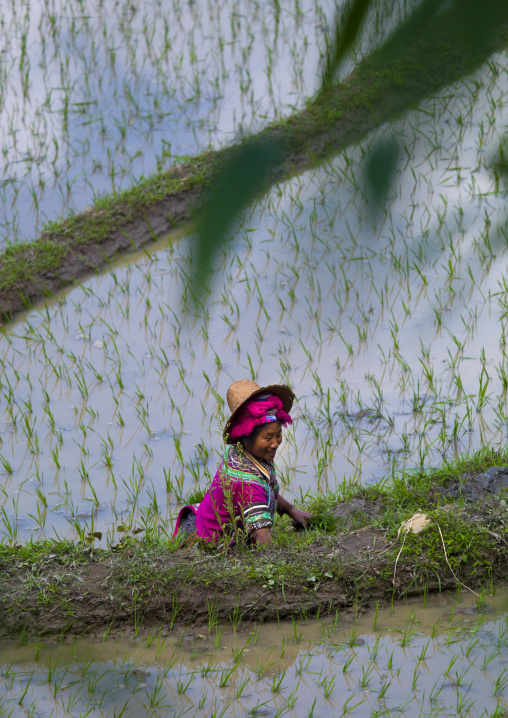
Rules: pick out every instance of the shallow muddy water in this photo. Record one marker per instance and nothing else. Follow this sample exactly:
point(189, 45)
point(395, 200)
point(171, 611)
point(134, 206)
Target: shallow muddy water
point(392, 334)
point(448, 658)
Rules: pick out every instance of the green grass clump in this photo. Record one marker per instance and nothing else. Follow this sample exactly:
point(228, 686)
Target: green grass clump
point(415, 491)
point(20, 262)
point(469, 547)
point(38, 552)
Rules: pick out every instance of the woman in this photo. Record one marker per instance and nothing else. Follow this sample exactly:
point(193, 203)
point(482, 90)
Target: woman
point(244, 494)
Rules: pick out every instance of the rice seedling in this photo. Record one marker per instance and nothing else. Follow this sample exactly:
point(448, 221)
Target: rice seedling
point(297, 633)
point(263, 665)
point(390, 661)
point(202, 700)
point(238, 652)
point(366, 675)
point(349, 706)
point(348, 662)
point(217, 639)
point(218, 712)
point(277, 682)
point(183, 682)
point(500, 683)
point(328, 685)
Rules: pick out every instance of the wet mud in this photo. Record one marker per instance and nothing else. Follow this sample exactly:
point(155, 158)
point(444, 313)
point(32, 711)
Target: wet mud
point(474, 487)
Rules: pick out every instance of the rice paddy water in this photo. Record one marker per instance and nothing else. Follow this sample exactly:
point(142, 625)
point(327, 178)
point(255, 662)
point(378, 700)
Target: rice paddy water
point(390, 327)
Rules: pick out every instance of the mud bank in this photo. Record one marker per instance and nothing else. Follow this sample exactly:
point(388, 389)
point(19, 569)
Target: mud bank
point(359, 557)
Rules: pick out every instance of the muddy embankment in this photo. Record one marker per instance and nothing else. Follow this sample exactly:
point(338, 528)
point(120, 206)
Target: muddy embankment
point(50, 588)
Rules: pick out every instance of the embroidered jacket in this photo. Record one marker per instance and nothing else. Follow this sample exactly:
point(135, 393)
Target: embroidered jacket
point(244, 491)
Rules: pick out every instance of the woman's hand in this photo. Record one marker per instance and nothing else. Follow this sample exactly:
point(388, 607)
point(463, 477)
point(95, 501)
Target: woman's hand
point(300, 517)
point(262, 537)
point(284, 507)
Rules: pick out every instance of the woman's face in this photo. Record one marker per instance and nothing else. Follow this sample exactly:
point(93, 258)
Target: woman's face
point(267, 441)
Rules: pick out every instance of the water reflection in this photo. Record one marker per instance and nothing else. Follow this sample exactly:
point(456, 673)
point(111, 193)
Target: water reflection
point(448, 658)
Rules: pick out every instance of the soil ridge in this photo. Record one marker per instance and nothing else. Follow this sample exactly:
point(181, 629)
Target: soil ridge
point(357, 557)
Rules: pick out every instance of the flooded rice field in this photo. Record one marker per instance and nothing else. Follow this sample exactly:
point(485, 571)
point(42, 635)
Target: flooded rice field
point(95, 96)
point(445, 659)
point(391, 329)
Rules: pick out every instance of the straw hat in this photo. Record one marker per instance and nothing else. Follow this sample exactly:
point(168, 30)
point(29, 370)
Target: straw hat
point(241, 391)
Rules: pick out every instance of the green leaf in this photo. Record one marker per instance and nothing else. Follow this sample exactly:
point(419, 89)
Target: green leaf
point(380, 171)
point(479, 23)
point(246, 174)
point(500, 160)
point(476, 23)
point(347, 27)
point(407, 33)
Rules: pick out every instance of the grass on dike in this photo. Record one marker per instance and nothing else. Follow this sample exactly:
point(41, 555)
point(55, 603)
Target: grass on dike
point(109, 213)
point(147, 562)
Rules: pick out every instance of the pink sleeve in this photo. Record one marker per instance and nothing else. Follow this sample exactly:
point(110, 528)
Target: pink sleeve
point(246, 493)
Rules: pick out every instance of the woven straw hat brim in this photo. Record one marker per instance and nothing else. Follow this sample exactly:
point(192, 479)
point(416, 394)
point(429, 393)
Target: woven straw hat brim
point(283, 391)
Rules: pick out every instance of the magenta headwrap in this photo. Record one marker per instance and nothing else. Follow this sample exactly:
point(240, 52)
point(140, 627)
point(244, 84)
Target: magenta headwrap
point(260, 410)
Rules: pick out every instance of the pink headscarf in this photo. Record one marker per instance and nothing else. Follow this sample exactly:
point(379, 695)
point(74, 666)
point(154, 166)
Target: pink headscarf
point(260, 410)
